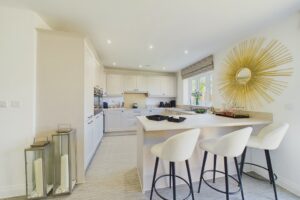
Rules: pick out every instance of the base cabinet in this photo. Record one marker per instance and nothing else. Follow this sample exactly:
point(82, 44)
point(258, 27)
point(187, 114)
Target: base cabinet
point(88, 142)
point(126, 119)
point(93, 136)
point(113, 120)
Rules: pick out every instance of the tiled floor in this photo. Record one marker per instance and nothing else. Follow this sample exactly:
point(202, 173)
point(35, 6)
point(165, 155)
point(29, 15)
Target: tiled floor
point(112, 176)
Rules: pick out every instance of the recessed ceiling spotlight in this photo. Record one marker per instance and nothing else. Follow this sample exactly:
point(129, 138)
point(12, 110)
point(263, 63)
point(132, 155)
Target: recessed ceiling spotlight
point(150, 46)
point(164, 68)
point(186, 51)
point(108, 41)
point(114, 63)
point(140, 66)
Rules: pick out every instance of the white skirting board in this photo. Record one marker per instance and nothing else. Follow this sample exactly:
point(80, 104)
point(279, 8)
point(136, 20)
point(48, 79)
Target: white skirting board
point(281, 181)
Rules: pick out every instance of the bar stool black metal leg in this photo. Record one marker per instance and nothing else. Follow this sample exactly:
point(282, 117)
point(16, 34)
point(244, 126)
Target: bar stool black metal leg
point(239, 176)
point(170, 172)
point(190, 178)
point(202, 170)
point(154, 177)
point(243, 161)
point(271, 173)
point(174, 180)
point(215, 166)
point(226, 178)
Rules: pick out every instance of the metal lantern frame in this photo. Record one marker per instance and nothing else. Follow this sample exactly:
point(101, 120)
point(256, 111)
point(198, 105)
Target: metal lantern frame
point(72, 153)
point(44, 152)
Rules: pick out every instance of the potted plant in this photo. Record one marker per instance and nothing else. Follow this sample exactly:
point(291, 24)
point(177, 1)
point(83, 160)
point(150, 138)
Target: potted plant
point(197, 94)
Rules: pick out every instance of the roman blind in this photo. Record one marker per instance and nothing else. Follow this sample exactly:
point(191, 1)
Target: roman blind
point(204, 65)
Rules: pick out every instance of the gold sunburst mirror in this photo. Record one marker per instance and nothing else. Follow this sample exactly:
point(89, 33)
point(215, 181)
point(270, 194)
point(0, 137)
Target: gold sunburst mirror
point(254, 72)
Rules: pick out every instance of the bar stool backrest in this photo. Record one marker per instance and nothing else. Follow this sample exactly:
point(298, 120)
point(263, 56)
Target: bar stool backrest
point(234, 143)
point(272, 135)
point(181, 146)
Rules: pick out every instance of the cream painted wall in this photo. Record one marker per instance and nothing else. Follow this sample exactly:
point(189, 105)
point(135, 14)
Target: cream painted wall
point(60, 86)
point(17, 83)
point(286, 160)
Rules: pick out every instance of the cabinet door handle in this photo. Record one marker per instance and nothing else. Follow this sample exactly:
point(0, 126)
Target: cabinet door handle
point(90, 116)
point(90, 122)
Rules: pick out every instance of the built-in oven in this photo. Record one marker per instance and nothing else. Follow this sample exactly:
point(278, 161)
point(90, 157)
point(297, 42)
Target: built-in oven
point(98, 100)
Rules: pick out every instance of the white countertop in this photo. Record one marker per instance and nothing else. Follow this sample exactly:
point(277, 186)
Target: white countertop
point(200, 121)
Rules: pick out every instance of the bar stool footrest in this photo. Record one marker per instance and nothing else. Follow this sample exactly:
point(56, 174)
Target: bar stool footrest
point(168, 175)
point(216, 189)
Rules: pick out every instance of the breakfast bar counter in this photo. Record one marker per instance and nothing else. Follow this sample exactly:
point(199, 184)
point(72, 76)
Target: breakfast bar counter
point(151, 132)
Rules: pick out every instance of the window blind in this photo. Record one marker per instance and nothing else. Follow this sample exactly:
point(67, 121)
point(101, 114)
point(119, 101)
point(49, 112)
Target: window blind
point(202, 66)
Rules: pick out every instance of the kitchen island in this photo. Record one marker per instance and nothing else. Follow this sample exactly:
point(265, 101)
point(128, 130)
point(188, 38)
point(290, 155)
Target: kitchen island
point(150, 133)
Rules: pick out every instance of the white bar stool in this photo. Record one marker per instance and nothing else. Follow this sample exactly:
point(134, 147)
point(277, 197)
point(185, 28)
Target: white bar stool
point(269, 138)
point(230, 145)
point(177, 148)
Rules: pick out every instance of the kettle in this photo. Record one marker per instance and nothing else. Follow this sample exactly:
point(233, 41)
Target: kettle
point(135, 105)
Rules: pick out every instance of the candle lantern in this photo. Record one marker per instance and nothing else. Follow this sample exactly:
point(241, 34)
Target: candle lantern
point(64, 157)
point(38, 169)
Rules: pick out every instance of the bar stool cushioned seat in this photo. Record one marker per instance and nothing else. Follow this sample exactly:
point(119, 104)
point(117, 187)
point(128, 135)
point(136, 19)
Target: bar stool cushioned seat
point(177, 148)
point(269, 138)
point(229, 145)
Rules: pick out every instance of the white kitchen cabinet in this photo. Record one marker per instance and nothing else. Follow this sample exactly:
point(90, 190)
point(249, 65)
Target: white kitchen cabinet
point(89, 69)
point(93, 136)
point(126, 119)
point(135, 83)
point(154, 85)
point(168, 86)
point(114, 84)
point(129, 119)
point(161, 86)
point(88, 142)
point(113, 119)
point(155, 111)
point(130, 83)
point(98, 130)
point(141, 83)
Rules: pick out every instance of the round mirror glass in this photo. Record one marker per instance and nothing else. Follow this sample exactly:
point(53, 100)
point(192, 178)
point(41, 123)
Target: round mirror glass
point(243, 75)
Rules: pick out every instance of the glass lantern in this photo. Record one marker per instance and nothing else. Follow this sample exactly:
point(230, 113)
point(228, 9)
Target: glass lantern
point(38, 169)
point(64, 157)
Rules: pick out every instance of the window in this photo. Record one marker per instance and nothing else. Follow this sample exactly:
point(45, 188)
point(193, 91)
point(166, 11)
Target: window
point(200, 89)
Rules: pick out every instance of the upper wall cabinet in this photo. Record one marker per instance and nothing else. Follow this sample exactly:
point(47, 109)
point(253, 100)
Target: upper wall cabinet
point(135, 83)
point(162, 86)
point(114, 84)
point(156, 86)
point(99, 75)
point(168, 86)
point(141, 82)
point(130, 83)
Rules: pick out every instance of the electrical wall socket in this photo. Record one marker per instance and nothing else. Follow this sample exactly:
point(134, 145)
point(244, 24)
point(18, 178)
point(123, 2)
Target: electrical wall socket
point(3, 104)
point(15, 104)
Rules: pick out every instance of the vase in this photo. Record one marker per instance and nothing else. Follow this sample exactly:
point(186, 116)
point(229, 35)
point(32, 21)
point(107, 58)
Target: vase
point(197, 101)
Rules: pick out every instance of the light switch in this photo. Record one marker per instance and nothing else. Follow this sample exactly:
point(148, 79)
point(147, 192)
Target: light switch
point(3, 104)
point(15, 104)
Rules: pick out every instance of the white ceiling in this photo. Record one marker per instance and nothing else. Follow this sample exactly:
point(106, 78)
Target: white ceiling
point(171, 26)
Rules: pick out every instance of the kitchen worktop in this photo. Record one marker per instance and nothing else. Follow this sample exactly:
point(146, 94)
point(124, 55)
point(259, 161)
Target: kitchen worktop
point(202, 120)
point(151, 108)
